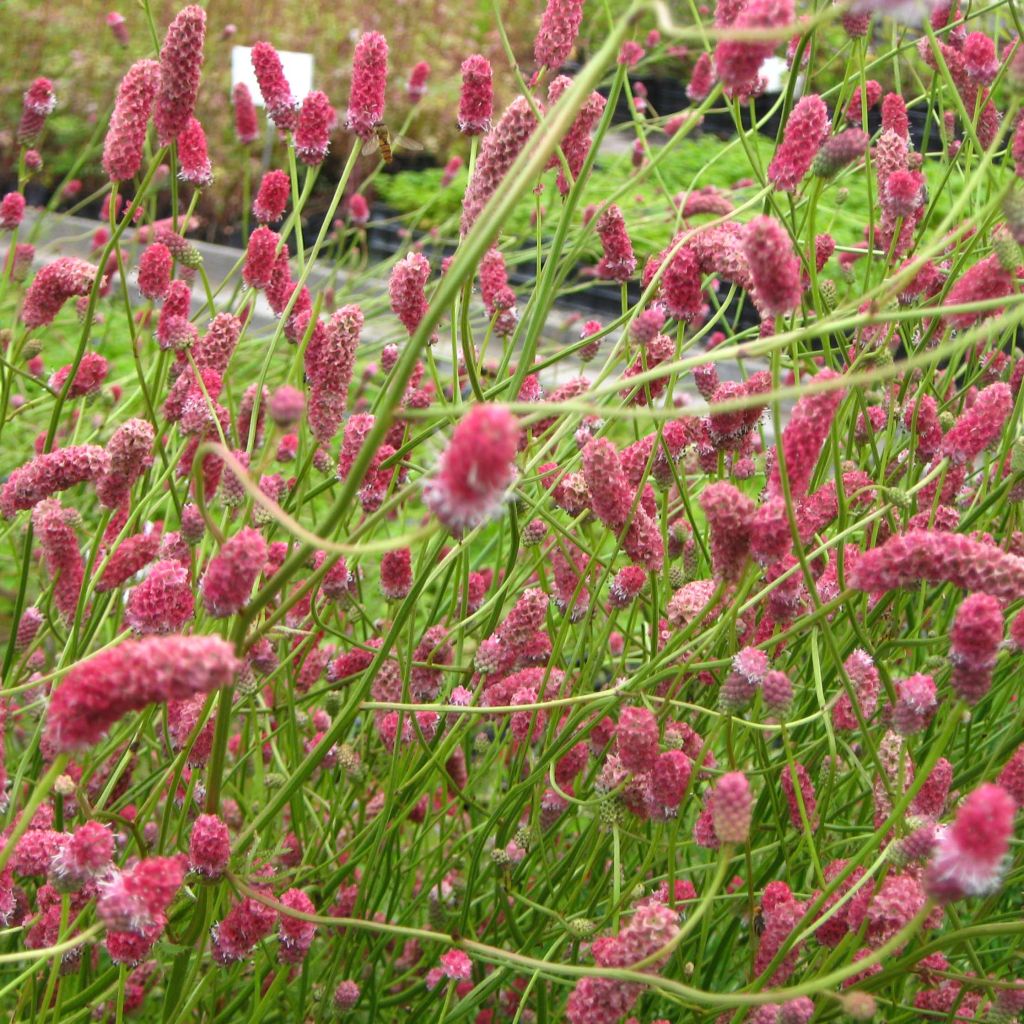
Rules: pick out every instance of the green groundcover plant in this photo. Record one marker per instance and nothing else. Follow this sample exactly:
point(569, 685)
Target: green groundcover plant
point(385, 640)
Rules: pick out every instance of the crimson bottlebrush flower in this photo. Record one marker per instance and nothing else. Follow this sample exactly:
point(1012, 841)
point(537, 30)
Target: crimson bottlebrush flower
point(407, 289)
point(272, 197)
point(476, 98)
point(317, 120)
point(805, 787)
point(974, 643)
point(894, 115)
point(163, 602)
point(681, 286)
point(296, 934)
point(209, 848)
point(130, 453)
point(774, 267)
point(618, 262)
point(497, 154)
point(670, 777)
point(247, 129)
point(129, 557)
point(915, 706)
point(416, 87)
point(732, 808)
point(156, 265)
point(86, 855)
point(38, 102)
point(968, 859)
point(260, 257)
point(227, 582)
point(986, 280)
point(88, 378)
point(840, 151)
point(396, 574)
point(803, 437)
point(626, 586)
point(47, 474)
point(369, 84)
point(858, 100)
point(63, 557)
point(281, 106)
point(556, 37)
point(476, 469)
point(156, 669)
point(636, 739)
point(806, 129)
point(739, 61)
point(729, 513)
point(702, 79)
point(181, 62)
point(57, 282)
point(193, 158)
point(980, 425)
point(937, 556)
point(12, 209)
point(902, 194)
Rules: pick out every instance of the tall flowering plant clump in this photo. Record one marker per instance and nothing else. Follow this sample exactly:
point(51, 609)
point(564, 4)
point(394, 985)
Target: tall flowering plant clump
point(408, 641)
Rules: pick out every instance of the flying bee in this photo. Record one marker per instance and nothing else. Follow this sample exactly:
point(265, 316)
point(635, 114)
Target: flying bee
point(384, 141)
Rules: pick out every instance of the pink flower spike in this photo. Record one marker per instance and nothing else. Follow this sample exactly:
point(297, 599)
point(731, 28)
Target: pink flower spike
point(806, 129)
point(369, 83)
point(193, 156)
point(732, 808)
point(282, 108)
point(456, 965)
point(416, 88)
point(476, 469)
point(57, 282)
point(476, 99)
point(181, 62)
point(247, 128)
point(774, 267)
point(209, 846)
point(556, 37)
point(317, 120)
point(158, 669)
point(407, 290)
point(228, 580)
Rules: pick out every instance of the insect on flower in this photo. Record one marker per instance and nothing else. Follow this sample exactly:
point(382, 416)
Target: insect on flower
point(386, 143)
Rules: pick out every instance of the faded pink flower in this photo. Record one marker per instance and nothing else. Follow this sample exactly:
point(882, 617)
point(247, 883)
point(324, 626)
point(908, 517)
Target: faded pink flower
point(407, 289)
point(369, 83)
point(774, 267)
point(618, 262)
point(556, 37)
point(227, 582)
point(57, 282)
point(806, 129)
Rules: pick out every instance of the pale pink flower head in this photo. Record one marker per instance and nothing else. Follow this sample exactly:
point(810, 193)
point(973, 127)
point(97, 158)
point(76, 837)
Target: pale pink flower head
point(282, 107)
point(317, 120)
point(476, 469)
point(136, 899)
point(396, 574)
point(980, 59)
point(49, 473)
point(894, 115)
point(773, 265)
point(130, 452)
point(156, 264)
point(247, 128)
point(369, 83)
point(476, 99)
point(407, 289)
point(346, 995)
point(85, 705)
point(729, 515)
point(702, 79)
point(193, 157)
point(85, 856)
point(416, 88)
point(840, 151)
point(556, 37)
point(916, 704)
point(806, 129)
point(456, 965)
point(636, 739)
point(732, 808)
point(261, 258)
point(181, 62)
point(968, 858)
point(980, 425)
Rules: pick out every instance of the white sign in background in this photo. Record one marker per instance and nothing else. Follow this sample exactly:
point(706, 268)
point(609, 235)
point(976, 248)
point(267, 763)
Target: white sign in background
point(298, 70)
